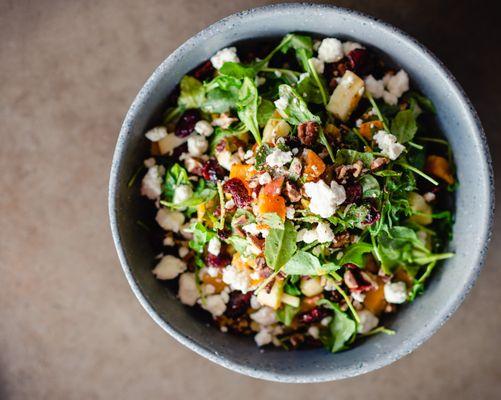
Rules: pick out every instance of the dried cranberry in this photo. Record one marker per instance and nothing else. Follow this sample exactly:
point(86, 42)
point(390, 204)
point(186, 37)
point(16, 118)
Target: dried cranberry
point(176, 153)
point(361, 61)
point(239, 192)
point(224, 233)
point(219, 261)
point(314, 315)
point(238, 304)
point(372, 216)
point(186, 123)
point(356, 279)
point(353, 192)
point(212, 171)
point(204, 71)
point(333, 295)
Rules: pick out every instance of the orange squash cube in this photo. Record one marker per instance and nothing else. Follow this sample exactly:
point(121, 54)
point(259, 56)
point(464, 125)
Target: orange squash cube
point(314, 166)
point(271, 203)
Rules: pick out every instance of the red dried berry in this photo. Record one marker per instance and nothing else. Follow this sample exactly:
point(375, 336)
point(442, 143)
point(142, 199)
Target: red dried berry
point(355, 280)
point(353, 192)
point(212, 170)
point(204, 71)
point(220, 261)
point(372, 216)
point(186, 124)
point(314, 315)
point(361, 61)
point(238, 304)
point(238, 191)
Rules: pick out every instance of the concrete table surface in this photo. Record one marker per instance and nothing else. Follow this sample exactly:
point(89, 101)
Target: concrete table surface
point(70, 327)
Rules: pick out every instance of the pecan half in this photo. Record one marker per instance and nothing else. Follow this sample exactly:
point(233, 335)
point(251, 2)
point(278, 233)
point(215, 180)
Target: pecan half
point(308, 132)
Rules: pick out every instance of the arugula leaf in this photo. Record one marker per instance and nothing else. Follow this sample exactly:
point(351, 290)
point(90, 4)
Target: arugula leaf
point(221, 94)
point(348, 157)
point(198, 198)
point(175, 176)
point(280, 245)
point(201, 236)
point(261, 155)
point(237, 70)
point(303, 45)
point(192, 93)
point(290, 286)
point(305, 263)
point(342, 328)
point(247, 108)
point(404, 126)
point(370, 187)
point(355, 254)
point(292, 106)
point(286, 314)
point(423, 101)
point(308, 89)
point(265, 110)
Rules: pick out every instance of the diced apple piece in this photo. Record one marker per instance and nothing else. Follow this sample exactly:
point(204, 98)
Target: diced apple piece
point(169, 143)
point(273, 298)
point(311, 287)
point(419, 204)
point(293, 301)
point(275, 127)
point(346, 96)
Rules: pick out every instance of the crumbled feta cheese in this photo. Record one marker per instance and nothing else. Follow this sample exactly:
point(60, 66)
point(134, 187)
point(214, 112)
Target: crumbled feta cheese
point(254, 302)
point(225, 55)
point(324, 232)
point(306, 235)
point(264, 316)
point(214, 246)
point(204, 128)
point(324, 199)
point(156, 134)
point(149, 162)
point(237, 279)
point(223, 121)
point(360, 297)
point(208, 289)
point(248, 154)
point(226, 159)
point(281, 104)
point(314, 332)
point(395, 293)
point(188, 291)
point(278, 158)
point(388, 144)
point(190, 163)
point(330, 50)
point(326, 321)
point(168, 240)
point(265, 178)
point(319, 65)
point(390, 98)
point(263, 337)
point(169, 267)
point(182, 193)
point(289, 212)
point(215, 304)
point(368, 321)
point(398, 84)
point(212, 271)
point(374, 87)
point(223, 329)
point(151, 185)
point(197, 145)
point(348, 47)
point(169, 143)
point(185, 229)
point(169, 220)
point(429, 197)
point(251, 229)
point(229, 204)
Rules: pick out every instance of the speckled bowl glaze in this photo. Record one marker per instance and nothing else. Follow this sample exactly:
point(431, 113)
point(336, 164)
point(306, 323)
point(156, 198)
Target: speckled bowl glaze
point(414, 323)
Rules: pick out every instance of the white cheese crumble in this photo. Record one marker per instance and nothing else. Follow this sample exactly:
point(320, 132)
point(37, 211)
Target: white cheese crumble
point(398, 84)
point(182, 193)
point(228, 54)
point(265, 178)
point(169, 143)
point(278, 158)
point(223, 121)
point(151, 185)
point(390, 98)
point(330, 50)
point(395, 293)
point(215, 304)
point(170, 220)
point(264, 316)
point(149, 162)
point(183, 251)
point(322, 233)
point(263, 337)
point(281, 104)
point(368, 321)
point(168, 240)
point(214, 246)
point(388, 144)
point(326, 321)
point(324, 200)
point(314, 332)
point(348, 47)
point(319, 65)
point(226, 159)
point(360, 297)
point(289, 212)
point(197, 145)
point(374, 87)
point(204, 128)
point(188, 291)
point(237, 279)
point(156, 134)
point(169, 267)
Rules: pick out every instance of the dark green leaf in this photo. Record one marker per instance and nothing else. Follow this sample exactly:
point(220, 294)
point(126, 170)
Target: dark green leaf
point(280, 245)
point(175, 176)
point(237, 70)
point(342, 328)
point(355, 254)
point(264, 112)
point(370, 187)
point(247, 108)
point(404, 126)
point(293, 107)
point(201, 236)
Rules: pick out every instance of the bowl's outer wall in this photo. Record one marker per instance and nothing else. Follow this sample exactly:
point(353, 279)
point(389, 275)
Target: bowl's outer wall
point(415, 323)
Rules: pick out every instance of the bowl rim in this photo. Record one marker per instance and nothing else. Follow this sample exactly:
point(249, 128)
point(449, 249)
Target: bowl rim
point(400, 351)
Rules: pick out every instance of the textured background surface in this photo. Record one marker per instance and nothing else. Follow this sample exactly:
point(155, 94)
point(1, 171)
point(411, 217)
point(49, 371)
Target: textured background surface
point(70, 328)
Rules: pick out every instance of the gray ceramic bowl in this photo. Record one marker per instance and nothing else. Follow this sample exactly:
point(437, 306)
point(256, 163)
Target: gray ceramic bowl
point(415, 323)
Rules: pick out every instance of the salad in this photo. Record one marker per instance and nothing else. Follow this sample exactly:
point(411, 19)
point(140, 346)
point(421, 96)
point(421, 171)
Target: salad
point(301, 191)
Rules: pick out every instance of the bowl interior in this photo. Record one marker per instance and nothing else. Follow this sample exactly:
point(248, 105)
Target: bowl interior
point(414, 323)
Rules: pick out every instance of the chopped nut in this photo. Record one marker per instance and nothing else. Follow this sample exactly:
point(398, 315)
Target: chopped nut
point(308, 132)
point(378, 163)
